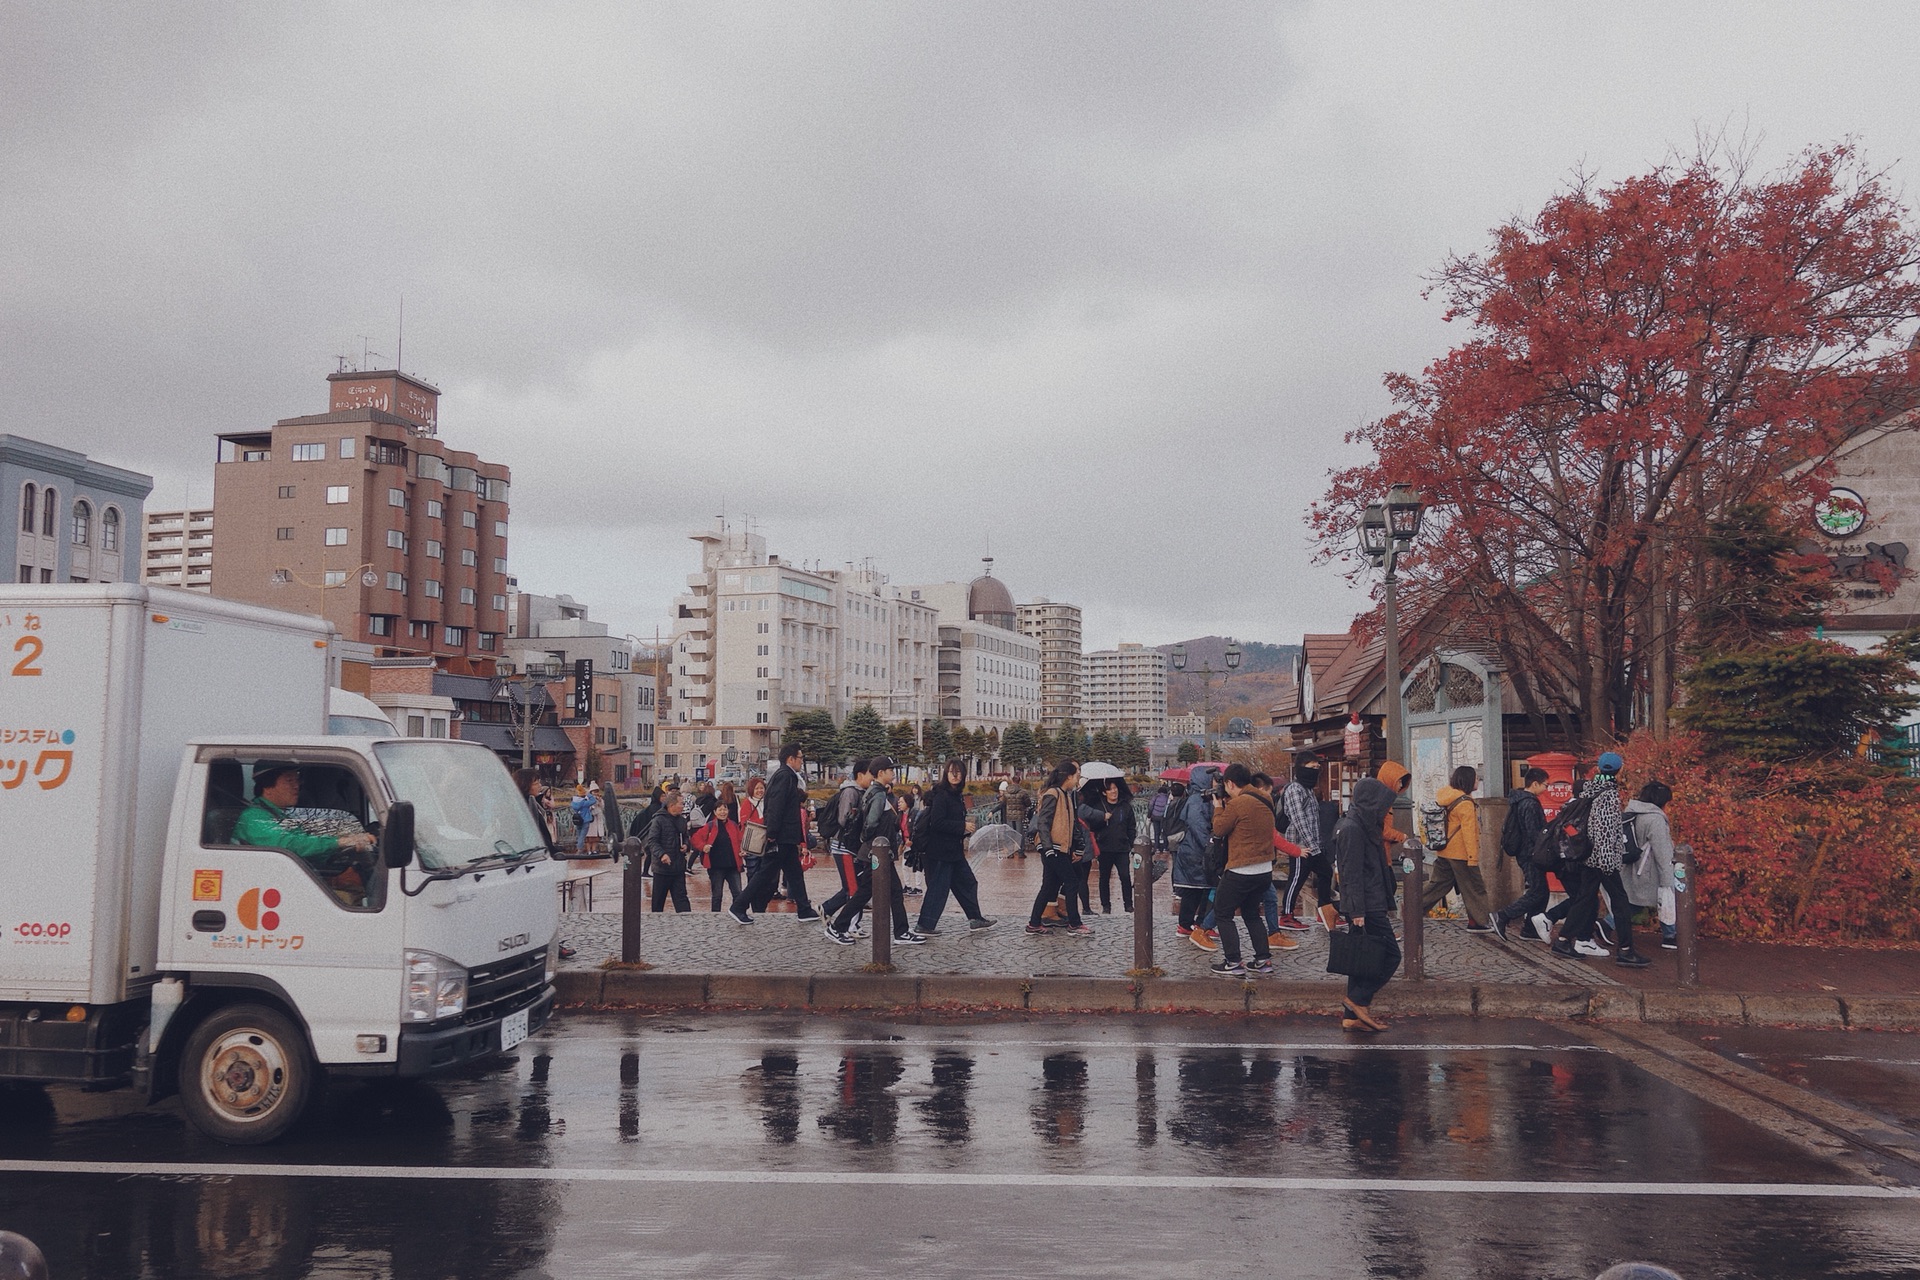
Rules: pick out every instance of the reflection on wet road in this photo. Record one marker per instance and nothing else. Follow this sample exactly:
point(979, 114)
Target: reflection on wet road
point(756, 1145)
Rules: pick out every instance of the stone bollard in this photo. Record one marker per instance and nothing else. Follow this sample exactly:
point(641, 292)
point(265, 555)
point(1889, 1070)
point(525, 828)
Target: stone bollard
point(880, 909)
point(1143, 907)
point(1413, 916)
point(1685, 903)
point(633, 899)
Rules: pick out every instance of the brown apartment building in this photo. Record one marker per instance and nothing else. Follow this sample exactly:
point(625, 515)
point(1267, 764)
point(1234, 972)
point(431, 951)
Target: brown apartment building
point(362, 514)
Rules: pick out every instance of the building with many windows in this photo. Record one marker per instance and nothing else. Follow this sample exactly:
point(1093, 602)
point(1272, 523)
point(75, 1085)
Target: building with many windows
point(989, 673)
point(363, 514)
point(65, 517)
point(1126, 688)
point(176, 549)
point(1057, 628)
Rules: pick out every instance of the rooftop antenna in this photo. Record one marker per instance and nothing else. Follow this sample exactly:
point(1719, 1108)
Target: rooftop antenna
point(340, 365)
point(400, 342)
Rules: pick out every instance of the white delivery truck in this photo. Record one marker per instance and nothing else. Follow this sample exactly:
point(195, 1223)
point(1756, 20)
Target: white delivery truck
point(202, 892)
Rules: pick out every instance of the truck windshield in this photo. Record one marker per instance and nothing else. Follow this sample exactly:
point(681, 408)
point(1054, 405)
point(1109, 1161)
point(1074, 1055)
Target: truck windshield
point(466, 809)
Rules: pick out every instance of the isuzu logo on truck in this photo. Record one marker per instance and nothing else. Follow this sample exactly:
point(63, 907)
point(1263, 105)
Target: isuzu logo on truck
point(517, 940)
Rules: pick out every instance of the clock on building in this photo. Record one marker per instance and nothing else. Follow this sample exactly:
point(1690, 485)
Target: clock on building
point(1842, 514)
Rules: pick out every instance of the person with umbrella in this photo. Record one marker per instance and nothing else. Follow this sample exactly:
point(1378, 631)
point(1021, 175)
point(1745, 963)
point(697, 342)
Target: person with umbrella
point(1106, 806)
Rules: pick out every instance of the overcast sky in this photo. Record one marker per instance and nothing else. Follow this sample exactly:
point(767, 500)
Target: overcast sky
point(1104, 284)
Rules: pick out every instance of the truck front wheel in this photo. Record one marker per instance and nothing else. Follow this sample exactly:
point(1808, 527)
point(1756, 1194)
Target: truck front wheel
point(245, 1074)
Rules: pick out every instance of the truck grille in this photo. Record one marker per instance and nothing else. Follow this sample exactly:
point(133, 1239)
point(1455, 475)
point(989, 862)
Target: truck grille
point(495, 990)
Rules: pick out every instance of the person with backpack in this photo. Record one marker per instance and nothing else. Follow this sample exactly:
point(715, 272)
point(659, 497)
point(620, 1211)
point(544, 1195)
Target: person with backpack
point(1063, 843)
point(1519, 836)
point(1190, 832)
point(1157, 817)
point(878, 820)
point(1300, 823)
point(1458, 866)
point(781, 814)
point(941, 828)
point(839, 828)
point(584, 807)
point(1598, 834)
point(1017, 805)
point(1649, 879)
point(1365, 879)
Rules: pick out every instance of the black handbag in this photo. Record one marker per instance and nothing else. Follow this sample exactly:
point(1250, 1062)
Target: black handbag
point(1354, 954)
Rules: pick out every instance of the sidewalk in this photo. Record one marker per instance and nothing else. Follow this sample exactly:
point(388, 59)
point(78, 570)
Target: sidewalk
point(701, 958)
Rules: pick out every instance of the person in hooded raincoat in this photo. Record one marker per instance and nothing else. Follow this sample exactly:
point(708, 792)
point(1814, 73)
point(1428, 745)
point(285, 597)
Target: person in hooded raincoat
point(1365, 879)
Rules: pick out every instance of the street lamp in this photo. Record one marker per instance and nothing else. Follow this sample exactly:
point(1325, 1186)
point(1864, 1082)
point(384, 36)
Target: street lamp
point(1387, 531)
point(1207, 673)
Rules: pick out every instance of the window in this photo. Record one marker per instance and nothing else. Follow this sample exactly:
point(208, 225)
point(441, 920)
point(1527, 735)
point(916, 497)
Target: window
point(433, 550)
point(309, 453)
point(378, 451)
point(335, 578)
point(336, 538)
point(28, 496)
point(336, 494)
point(82, 524)
point(416, 726)
point(420, 630)
point(380, 624)
point(467, 520)
point(434, 509)
point(457, 637)
point(488, 639)
point(499, 528)
point(256, 455)
point(599, 702)
point(500, 566)
point(430, 589)
point(500, 604)
point(397, 540)
point(468, 558)
point(286, 491)
point(760, 717)
point(466, 595)
point(397, 498)
point(670, 762)
point(49, 512)
point(396, 582)
point(26, 573)
point(346, 446)
point(283, 534)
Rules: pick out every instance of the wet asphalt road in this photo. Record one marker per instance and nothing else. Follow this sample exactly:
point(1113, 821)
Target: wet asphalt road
point(750, 1145)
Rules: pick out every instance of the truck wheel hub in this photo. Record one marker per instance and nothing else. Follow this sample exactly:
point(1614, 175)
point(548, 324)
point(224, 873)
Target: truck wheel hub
point(246, 1074)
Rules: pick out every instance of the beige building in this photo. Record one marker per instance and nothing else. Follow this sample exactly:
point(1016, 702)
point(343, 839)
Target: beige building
point(176, 549)
point(989, 674)
point(1126, 688)
point(1057, 629)
point(1192, 725)
point(364, 515)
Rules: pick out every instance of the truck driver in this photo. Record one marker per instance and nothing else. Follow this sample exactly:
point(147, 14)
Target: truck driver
point(264, 822)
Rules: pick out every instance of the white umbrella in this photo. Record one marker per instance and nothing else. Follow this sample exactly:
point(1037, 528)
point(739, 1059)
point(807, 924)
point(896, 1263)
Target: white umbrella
point(995, 840)
point(1099, 771)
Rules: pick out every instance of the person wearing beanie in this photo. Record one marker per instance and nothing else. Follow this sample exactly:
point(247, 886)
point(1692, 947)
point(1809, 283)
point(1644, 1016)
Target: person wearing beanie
point(1602, 870)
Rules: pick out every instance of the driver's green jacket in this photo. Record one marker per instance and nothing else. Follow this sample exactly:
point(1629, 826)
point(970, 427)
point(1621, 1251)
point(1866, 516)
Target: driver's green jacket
point(264, 824)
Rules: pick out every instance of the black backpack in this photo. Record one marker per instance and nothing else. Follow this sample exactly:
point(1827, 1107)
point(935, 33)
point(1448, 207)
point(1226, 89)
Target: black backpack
point(1572, 831)
point(830, 817)
point(1628, 832)
point(1513, 832)
point(921, 824)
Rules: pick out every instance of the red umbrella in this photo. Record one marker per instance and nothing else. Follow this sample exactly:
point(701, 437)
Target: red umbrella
point(1184, 773)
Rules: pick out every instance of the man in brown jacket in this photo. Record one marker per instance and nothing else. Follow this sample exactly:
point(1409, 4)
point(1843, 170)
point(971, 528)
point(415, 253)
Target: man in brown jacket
point(1245, 822)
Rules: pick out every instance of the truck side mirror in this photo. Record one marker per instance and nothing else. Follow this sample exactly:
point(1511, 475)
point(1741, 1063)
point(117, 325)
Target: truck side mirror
point(396, 835)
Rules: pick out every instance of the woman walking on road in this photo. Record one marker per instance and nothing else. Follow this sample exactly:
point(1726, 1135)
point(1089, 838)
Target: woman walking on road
point(719, 843)
point(944, 852)
point(1365, 879)
point(1107, 807)
point(1062, 842)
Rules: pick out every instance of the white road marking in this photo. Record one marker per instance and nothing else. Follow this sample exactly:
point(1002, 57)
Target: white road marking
point(1056, 1181)
point(831, 1042)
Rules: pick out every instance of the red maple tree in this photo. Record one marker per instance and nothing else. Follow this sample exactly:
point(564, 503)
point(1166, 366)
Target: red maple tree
point(1644, 357)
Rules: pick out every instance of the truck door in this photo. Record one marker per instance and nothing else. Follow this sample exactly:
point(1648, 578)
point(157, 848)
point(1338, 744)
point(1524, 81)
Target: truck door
point(277, 894)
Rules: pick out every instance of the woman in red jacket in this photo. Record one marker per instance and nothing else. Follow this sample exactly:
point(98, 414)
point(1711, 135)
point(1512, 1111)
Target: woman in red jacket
point(719, 845)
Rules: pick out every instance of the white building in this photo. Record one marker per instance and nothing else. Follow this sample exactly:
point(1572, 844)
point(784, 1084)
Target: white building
point(989, 673)
point(1126, 688)
point(176, 549)
point(1193, 725)
point(1057, 629)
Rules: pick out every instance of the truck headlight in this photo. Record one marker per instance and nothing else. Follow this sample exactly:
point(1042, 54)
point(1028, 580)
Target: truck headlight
point(436, 988)
point(553, 957)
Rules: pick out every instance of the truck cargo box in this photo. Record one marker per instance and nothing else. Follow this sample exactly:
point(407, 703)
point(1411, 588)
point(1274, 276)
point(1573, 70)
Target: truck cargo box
point(101, 688)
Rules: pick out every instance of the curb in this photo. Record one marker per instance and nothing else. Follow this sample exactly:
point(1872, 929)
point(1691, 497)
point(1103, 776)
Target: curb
point(621, 989)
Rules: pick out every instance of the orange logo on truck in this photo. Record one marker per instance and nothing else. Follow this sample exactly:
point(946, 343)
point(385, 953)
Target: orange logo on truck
point(257, 909)
point(206, 886)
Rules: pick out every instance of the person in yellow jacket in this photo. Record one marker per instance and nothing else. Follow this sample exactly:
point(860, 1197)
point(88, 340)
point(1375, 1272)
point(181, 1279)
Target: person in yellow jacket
point(1459, 863)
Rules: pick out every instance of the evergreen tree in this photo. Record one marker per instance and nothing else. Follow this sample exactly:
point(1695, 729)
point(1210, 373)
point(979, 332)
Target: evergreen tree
point(1106, 746)
point(1134, 756)
point(900, 743)
point(936, 741)
point(1189, 753)
point(1044, 752)
point(864, 734)
point(1017, 747)
point(1761, 686)
point(815, 733)
point(992, 748)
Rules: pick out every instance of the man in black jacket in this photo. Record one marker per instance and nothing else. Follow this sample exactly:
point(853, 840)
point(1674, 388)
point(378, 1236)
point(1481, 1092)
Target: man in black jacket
point(781, 814)
point(1526, 819)
point(666, 853)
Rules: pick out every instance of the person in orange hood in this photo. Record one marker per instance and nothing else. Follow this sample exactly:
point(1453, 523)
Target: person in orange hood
point(1397, 777)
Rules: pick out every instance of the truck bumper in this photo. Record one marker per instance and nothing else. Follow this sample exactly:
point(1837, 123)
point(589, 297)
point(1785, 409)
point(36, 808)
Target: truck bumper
point(425, 1052)
point(37, 1042)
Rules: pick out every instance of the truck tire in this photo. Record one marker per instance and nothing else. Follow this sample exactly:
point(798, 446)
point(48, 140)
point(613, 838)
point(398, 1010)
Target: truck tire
point(245, 1074)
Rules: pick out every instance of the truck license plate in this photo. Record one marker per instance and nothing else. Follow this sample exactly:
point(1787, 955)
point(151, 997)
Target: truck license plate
point(513, 1029)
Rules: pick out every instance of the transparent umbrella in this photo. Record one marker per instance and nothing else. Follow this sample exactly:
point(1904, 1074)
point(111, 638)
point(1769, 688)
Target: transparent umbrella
point(996, 840)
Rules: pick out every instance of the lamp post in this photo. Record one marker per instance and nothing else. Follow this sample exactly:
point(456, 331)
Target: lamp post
point(1207, 673)
point(1388, 528)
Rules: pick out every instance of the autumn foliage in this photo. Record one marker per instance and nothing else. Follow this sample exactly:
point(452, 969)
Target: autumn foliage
point(1643, 358)
point(1812, 850)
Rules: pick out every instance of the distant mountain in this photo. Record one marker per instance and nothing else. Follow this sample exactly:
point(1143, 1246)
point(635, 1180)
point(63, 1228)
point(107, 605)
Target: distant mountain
point(1264, 675)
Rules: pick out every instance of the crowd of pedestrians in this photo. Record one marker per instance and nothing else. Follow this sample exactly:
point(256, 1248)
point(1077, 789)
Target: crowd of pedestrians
point(1239, 856)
